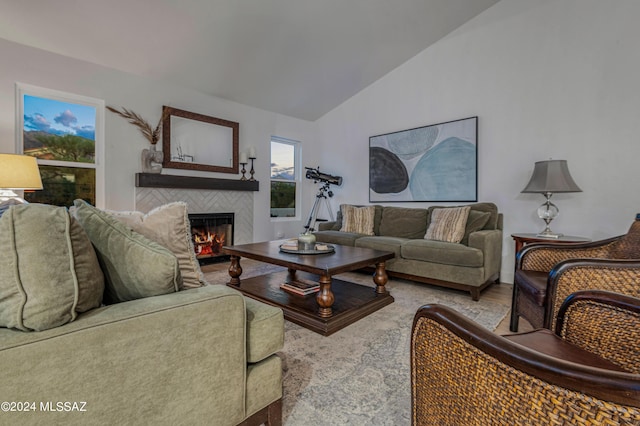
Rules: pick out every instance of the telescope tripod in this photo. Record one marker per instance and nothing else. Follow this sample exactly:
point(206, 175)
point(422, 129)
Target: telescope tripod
point(313, 216)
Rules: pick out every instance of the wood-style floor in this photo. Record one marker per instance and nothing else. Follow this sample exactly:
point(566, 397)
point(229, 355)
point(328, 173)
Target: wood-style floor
point(499, 293)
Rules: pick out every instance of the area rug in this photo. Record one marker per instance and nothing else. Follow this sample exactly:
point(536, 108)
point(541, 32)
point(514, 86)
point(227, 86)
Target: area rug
point(360, 375)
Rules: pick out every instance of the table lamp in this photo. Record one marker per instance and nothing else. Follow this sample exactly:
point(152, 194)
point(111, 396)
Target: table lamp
point(548, 177)
point(17, 172)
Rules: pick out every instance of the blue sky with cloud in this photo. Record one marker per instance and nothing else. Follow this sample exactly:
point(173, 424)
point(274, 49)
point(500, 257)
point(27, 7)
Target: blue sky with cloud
point(282, 161)
point(59, 118)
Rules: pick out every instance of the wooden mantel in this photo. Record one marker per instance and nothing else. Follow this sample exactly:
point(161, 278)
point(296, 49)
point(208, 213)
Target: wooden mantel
point(153, 180)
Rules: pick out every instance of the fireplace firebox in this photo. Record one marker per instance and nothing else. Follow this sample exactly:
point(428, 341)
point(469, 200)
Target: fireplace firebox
point(209, 232)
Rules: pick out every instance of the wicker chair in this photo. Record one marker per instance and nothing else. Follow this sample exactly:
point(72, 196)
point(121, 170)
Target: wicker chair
point(588, 372)
point(546, 274)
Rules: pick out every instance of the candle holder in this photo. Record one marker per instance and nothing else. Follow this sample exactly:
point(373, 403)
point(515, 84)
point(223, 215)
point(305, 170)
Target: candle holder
point(252, 171)
point(243, 171)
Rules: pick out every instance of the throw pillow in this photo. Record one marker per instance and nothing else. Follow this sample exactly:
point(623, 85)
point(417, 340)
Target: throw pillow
point(377, 217)
point(448, 224)
point(133, 265)
point(357, 219)
point(49, 271)
point(404, 222)
point(475, 222)
point(337, 225)
point(168, 226)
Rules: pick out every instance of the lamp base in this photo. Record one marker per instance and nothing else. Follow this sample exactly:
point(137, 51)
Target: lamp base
point(5, 204)
point(547, 212)
point(8, 194)
point(547, 233)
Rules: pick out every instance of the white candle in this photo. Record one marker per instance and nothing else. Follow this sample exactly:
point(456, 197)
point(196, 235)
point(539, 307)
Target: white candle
point(252, 152)
point(243, 157)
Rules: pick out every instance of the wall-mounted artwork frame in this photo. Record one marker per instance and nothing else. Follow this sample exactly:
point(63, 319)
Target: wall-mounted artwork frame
point(435, 163)
point(195, 141)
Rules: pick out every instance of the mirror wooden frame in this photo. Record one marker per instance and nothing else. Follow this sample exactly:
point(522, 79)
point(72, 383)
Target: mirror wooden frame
point(169, 162)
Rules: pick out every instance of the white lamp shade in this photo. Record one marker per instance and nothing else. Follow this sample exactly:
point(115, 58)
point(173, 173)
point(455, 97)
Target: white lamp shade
point(19, 172)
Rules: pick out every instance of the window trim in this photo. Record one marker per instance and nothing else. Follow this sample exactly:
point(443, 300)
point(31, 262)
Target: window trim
point(99, 104)
point(297, 177)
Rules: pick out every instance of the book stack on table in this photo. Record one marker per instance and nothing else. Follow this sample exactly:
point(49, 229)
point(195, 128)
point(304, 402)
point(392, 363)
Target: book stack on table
point(301, 287)
point(290, 244)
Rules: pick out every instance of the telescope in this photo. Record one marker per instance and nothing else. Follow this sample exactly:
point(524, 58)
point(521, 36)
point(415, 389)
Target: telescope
point(318, 176)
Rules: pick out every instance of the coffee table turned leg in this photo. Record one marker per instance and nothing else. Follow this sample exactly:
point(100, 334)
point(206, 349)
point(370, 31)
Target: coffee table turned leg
point(325, 297)
point(380, 278)
point(235, 270)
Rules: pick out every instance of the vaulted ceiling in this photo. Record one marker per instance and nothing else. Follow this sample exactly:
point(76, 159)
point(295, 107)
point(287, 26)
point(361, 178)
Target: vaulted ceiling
point(300, 58)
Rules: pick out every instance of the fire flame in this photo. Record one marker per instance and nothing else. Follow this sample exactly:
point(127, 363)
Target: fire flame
point(209, 244)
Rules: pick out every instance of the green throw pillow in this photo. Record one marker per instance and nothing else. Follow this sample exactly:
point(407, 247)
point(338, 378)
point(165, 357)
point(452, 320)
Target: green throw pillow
point(404, 222)
point(49, 271)
point(475, 222)
point(133, 265)
point(168, 225)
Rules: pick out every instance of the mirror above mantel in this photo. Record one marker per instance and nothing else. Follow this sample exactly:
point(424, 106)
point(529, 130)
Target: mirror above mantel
point(195, 141)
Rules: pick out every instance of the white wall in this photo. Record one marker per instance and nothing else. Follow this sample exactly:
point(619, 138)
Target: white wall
point(146, 97)
point(548, 79)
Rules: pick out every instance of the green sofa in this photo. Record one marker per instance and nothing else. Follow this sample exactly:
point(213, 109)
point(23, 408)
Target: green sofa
point(470, 265)
point(204, 355)
point(200, 356)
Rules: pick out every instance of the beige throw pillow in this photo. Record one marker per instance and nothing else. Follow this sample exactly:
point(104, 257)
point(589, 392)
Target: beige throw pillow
point(448, 224)
point(357, 219)
point(169, 226)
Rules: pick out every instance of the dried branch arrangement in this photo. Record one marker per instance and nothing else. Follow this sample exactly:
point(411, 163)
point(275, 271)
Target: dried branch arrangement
point(151, 134)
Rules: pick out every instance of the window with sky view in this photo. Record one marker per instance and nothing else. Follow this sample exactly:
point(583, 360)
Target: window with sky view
point(283, 178)
point(62, 136)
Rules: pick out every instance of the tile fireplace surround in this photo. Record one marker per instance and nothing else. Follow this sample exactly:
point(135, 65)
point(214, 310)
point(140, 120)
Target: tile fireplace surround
point(204, 201)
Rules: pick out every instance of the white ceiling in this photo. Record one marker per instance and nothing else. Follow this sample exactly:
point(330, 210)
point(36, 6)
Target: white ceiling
point(301, 58)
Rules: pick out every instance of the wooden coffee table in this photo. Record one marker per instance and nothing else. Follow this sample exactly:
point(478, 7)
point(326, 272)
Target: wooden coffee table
point(337, 304)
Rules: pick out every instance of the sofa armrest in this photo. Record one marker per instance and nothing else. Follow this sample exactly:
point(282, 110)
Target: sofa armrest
point(155, 360)
point(490, 243)
point(325, 226)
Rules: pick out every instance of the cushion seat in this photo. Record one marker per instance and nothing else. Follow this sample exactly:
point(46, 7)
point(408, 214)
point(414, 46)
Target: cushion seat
point(392, 244)
point(338, 237)
point(265, 330)
point(534, 284)
point(443, 253)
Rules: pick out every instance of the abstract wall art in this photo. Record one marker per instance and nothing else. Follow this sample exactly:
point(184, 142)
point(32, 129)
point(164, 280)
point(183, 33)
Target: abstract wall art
point(438, 162)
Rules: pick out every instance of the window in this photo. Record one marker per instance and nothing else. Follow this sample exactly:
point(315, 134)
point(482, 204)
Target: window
point(65, 133)
point(285, 178)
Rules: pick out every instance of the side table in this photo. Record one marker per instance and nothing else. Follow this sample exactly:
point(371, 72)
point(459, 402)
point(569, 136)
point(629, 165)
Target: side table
point(524, 239)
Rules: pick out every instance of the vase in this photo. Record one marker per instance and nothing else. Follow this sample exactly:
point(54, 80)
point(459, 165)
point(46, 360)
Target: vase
point(306, 241)
point(151, 160)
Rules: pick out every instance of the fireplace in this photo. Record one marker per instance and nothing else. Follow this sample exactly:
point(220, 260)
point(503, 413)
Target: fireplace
point(209, 232)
